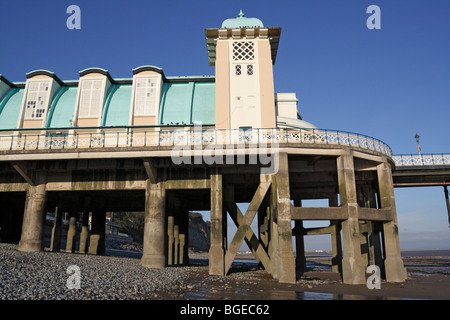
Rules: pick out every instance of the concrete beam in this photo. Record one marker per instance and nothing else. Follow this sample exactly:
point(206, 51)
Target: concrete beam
point(21, 168)
point(252, 241)
point(244, 225)
point(318, 213)
point(152, 172)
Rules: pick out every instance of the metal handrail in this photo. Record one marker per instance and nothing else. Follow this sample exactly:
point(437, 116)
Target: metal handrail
point(426, 159)
point(147, 136)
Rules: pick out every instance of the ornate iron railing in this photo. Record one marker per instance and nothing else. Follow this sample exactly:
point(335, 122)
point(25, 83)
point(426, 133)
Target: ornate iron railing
point(113, 137)
point(412, 160)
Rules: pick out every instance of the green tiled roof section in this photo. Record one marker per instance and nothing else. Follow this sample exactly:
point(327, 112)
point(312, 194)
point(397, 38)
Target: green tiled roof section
point(204, 103)
point(62, 108)
point(187, 103)
point(10, 108)
point(117, 105)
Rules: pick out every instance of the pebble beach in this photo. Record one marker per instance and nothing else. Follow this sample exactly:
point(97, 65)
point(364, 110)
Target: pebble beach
point(44, 276)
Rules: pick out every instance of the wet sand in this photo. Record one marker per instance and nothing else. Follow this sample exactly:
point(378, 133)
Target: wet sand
point(428, 279)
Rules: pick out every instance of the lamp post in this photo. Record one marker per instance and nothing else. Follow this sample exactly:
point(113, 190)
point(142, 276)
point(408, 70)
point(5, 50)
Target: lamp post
point(417, 146)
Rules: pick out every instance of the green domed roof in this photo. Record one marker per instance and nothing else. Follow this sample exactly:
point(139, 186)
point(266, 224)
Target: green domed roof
point(242, 22)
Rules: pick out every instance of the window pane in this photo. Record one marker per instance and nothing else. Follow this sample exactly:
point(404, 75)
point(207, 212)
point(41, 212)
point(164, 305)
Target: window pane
point(37, 96)
point(90, 98)
point(145, 96)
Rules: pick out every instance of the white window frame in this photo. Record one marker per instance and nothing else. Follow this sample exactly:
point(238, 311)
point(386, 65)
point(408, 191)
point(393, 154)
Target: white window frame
point(43, 99)
point(91, 113)
point(150, 95)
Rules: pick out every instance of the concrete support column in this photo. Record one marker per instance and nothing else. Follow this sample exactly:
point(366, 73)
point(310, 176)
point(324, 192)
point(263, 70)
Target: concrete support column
point(336, 242)
point(375, 250)
point(182, 248)
point(217, 248)
point(71, 232)
point(286, 263)
point(84, 235)
point(34, 216)
point(447, 202)
point(364, 242)
point(97, 237)
point(395, 271)
point(155, 243)
point(176, 236)
point(170, 239)
point(300, 259)
point(353, 271)
point(183, 216)
point(55, 243)
point(273, 249)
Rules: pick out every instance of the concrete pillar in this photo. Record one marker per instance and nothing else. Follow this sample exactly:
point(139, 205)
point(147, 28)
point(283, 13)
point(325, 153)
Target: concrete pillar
point(84, 235)
point(71, 232)
point(176, 244)
point(55, 242)
point(217, 247)
point(97, 237)
point(353, 271)
point(286, 259)
point(300, 259)
point(34, 216)
point(155, 243)
point(182, 248)
point(273, 249)
point(447, 202)
point(395, 271)
point(364, 243)
point(184, 235)
point(170, 239)
point(336, 242)
point(375, 250)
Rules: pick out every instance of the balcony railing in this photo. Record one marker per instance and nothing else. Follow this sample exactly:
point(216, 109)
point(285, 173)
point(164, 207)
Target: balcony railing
point(105, 137)
point(413, 160)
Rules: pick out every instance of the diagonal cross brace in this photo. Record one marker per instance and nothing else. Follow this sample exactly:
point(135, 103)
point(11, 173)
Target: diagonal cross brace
point(244, 229)
point(250, 238)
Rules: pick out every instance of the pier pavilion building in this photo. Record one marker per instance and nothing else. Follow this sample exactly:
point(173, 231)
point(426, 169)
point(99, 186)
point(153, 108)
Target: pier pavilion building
point(168, 145)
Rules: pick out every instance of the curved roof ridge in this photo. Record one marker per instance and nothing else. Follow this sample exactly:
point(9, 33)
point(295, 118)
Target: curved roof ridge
point(45, 73)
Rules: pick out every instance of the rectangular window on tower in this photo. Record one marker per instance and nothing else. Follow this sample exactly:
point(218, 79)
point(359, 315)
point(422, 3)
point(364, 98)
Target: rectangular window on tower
point(145, 96)
point(37, 99)
point(90, 98)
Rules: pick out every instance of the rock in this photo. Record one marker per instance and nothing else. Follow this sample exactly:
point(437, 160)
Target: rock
point(199, 232)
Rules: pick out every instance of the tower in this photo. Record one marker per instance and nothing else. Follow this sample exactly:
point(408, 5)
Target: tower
point(243, 52)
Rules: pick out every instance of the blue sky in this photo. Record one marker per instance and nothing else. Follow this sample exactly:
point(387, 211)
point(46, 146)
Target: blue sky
point(389, 83)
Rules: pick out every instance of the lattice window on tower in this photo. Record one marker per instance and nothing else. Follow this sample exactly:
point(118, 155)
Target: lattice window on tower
point(249, 69)
point(238, 69)
point(243, 51)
